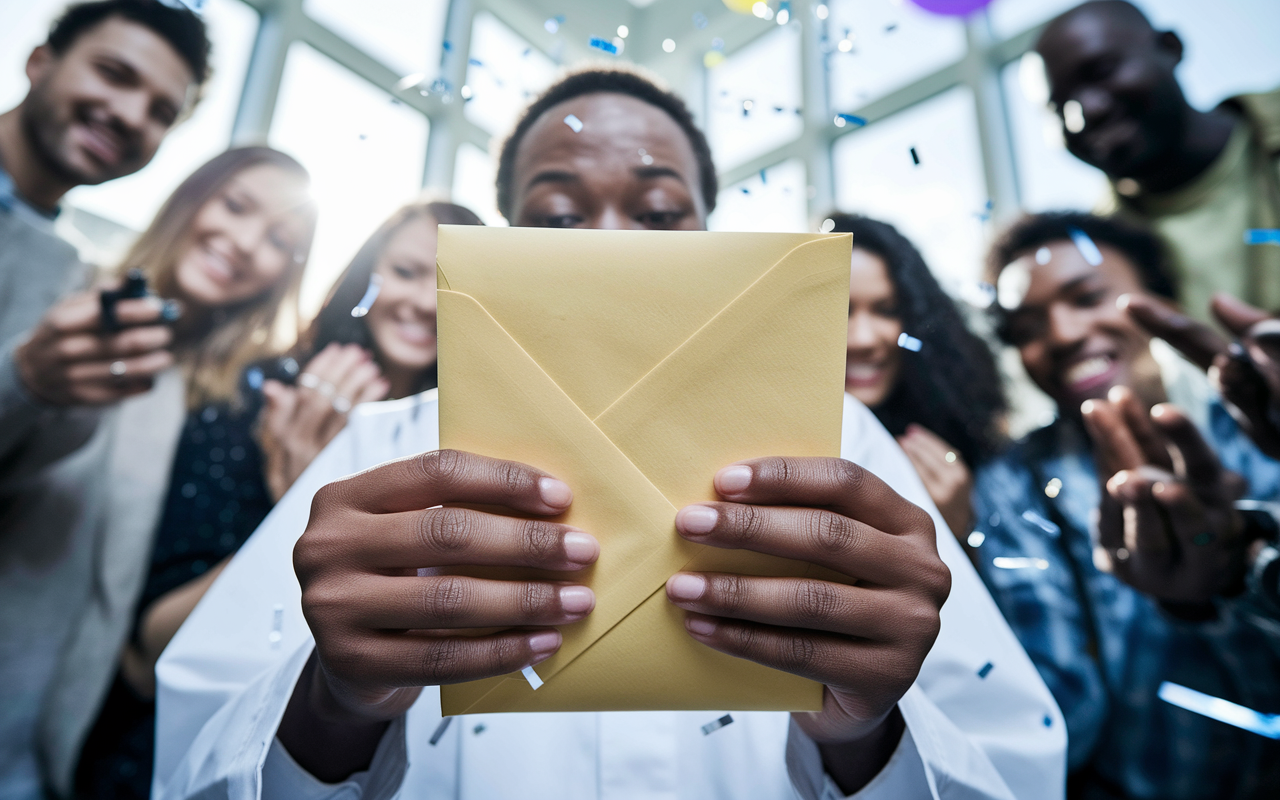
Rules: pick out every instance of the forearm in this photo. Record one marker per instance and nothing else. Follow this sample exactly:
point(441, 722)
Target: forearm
point(852, 765)
point(321, 736)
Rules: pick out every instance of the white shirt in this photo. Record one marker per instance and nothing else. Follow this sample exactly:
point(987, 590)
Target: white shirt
point(979, 721)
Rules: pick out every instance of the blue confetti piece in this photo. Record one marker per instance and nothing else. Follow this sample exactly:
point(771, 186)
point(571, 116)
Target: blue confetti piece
point(1207, 705)
point(763, 179)
point(699, 20)
point(1088, 250)
point(1048, 721)
point(440, 729)
point(573, 122)
point(370, 295)
point(745, 190)
point(447, 45)
point(1262, 236)
point(475, 62)
point(851, 119)
point(986, 669)
point(604, 44)
point(254, 377)
point(1039, 521)
point(717, 724)
point(915, 157)
point(908, 342)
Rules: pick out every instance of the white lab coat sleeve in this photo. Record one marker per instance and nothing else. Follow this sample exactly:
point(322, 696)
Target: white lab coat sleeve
point(980, 722)
point(224, 680)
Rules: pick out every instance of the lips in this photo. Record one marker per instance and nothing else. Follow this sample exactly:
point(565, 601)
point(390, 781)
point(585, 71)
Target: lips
point(863, 375)
point(216, 266)
point(1088, 374)
point(416, 333)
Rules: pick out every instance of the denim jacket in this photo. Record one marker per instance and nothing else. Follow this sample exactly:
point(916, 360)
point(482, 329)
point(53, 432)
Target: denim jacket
point(1104, 649)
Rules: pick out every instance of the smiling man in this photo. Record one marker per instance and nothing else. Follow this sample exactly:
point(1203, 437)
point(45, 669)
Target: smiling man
point(107, 86)
point(1199, 178)
point(1105, 637)
point(109, 83)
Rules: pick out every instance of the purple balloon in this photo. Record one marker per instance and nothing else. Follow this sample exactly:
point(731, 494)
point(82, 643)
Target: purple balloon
point(952, 8)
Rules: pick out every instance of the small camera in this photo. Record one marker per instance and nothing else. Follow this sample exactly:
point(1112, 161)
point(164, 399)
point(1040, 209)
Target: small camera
point(134, 287)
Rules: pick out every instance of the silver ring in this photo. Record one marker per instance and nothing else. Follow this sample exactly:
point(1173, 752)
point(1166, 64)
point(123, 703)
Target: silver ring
point(326, 389)
point(118, 368)
point(341, 404)
point(308, 380)
point(1122, 554)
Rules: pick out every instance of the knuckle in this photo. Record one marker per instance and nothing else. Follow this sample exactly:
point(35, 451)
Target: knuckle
point(730, 593)
point(444, 530)
point(444, 661)
point(445, 600)
point(542, 542)
point(507, 653)
point(513, 478)
point(798, 653)
point(850, 477)
point(833, 533)
point(750, 523)
point(534, 599)
point(442, 468)
point(816, 602)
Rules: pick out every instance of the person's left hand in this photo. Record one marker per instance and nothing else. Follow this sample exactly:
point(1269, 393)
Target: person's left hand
point(866, 640)
point(945, 475)
point(1167, 522)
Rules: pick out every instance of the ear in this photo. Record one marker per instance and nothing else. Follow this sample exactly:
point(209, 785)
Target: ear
point(39, 63)
point(1168, 42)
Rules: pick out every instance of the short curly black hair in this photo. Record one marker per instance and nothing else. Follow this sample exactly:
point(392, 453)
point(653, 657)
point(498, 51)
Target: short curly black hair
point(182, 29)
point(1140, 246)
point(615, 80)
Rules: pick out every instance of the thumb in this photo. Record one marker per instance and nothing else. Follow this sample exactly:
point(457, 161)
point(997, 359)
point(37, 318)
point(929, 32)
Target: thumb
point(1235, 314)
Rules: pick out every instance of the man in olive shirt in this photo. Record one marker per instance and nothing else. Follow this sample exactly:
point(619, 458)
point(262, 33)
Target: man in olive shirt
point(1201, 179)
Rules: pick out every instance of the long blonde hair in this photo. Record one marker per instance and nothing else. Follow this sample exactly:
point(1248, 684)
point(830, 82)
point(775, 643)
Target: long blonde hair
point(239, 334)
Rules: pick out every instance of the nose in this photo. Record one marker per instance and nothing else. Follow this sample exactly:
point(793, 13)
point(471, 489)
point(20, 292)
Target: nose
point(1067, 326)
point(611, 218)
point(129, 109)
point(862, 335)
point(1095, 103)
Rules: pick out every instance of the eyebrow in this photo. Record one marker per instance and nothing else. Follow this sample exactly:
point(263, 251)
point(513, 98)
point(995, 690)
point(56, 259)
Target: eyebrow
point(562, 176)
point(651, 173)
point(1069, 286)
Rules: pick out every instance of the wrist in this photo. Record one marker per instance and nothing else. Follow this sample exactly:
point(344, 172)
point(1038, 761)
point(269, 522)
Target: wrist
point(853, 764)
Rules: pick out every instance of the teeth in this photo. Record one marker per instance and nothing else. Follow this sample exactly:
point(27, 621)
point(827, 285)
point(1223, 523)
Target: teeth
point(1089, 368)
point(862, 371)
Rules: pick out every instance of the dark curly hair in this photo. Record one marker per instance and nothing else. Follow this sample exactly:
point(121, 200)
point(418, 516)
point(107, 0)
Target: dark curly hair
point(1141, 247)
point(183, 30)
point(952, 385)
point(612, 80)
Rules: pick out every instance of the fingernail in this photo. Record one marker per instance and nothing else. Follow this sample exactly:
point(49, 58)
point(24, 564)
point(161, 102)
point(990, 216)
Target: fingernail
point(732, 480)
point(1157, 487)
point(555, 493)
point(1122, 302)
point(1116, 393)
point(684, 586)
point(1086, 407)
point(697, 519)
point(699, 626)
point(581, 548)
point(544, 643)
point(1158, 411)
point(577, 599)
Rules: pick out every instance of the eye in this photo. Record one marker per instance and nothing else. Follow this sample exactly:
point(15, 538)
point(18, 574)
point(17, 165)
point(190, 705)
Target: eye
point(660, 219)
point(233, 205)
point(280, 242)
point(112, 73)
point(164, 114)
point(403, 273)
point(560, 221)
point(1090, 299)
point(1102, 68)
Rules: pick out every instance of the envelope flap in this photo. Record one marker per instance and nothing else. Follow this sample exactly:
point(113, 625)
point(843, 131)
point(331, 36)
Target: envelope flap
point(598, 309)
point(765, 376)
point(498, 402)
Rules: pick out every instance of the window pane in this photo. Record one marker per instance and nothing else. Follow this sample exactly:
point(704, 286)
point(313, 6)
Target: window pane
point(939, 204)
point(1011, 17)
point(504, 72)
point(406, 35)
point(876, 46)
point(24, 24)
point(1048, 176)
point(772, 200)
point(364, 150)
point(132, 201)
point(753, 98)
point(473, 175)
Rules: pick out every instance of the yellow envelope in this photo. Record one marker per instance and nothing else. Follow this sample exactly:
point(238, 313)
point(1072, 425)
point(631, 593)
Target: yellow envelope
point(633, 365)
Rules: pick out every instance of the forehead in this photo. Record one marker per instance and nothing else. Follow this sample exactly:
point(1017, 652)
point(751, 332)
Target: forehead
point(280, 191)
point(415, 237)
point(1089, 32)
point(142, 48)
point(1066, 266)
point(615, 128)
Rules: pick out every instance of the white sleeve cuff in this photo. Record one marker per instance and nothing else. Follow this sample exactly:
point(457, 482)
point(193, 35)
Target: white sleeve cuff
point(902, 776)
point(282, 777)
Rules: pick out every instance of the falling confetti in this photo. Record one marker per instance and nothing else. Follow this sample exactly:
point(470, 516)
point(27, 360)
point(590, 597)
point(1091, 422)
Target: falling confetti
point(1088, 250)
point(410, 81)
point(908, 342)
point(440, 729)
point(986, 669)
point(699, 20)
point(915, 157)
point(573, 122)
point(1262, 236)
point(553, 25)
point(717, 724)
point(849, 119)
point(604, 45)
point(1267, 725)
point(828, 225)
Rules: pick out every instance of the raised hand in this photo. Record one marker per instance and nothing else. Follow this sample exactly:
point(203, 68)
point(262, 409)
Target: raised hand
point(1167, 522)
point(866, 638)
point(387, 622)
point(298, 421)
point(1247, 373)
point(945, 475)
point(69, 360)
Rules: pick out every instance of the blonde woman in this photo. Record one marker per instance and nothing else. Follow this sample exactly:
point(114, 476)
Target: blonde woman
point(229, 245)
point(239, 452)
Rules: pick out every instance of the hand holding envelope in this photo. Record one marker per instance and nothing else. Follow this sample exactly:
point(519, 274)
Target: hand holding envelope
point(717, 349)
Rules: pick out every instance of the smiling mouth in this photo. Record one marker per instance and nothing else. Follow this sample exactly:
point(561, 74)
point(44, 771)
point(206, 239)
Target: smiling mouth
point(1089, 373)
point(863, 374)
point(217, 266)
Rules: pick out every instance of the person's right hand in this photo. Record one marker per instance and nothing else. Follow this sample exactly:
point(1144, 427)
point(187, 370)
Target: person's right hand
point(387, 622)
point(1247, 374)
point(70, 361)
point(298, 421)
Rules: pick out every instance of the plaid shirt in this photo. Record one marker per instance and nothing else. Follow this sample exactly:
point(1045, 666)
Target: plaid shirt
point(1104, 649)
